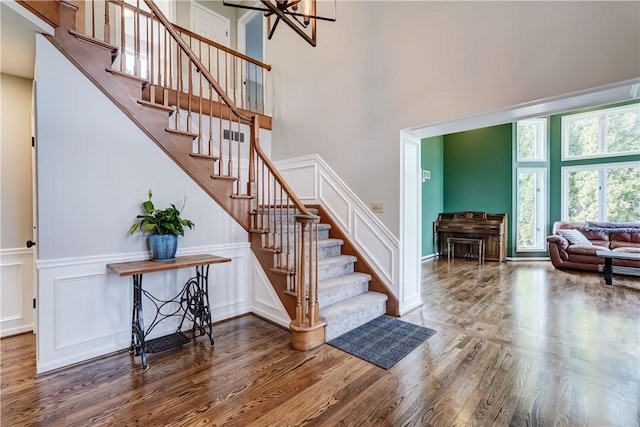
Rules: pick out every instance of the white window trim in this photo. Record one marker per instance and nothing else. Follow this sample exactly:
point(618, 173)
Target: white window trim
point(565, 170)
point(569, 118)
point(541, 141)
point(541, 208)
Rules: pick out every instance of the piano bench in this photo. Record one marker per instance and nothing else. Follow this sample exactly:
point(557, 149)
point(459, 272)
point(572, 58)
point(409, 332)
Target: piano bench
point(452, 241)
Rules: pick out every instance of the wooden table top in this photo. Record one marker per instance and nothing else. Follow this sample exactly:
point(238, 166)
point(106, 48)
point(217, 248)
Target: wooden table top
point(148, 266)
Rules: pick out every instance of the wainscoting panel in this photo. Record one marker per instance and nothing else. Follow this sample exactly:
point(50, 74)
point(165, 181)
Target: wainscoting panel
point(16, 291)
point(368, 233)
point(301, 178)
point(379, 251)
point(89, 308)
point(335, 202)
point(265, 300)
point(85, 309)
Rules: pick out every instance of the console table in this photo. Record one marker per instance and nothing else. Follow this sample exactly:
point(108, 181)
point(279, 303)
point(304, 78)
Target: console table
point(191, 303)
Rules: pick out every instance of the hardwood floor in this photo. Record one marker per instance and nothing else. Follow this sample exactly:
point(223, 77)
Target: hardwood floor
point(516, 344)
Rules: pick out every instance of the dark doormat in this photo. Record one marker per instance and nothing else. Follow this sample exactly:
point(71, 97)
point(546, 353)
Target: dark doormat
point(383, 341)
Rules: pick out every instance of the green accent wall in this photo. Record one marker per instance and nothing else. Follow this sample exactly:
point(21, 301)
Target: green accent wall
point(431, 150)
point(478, 172)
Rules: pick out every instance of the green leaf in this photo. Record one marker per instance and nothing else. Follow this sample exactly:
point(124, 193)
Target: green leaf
point(148, 206)
point(148, 227)
point(160, 221)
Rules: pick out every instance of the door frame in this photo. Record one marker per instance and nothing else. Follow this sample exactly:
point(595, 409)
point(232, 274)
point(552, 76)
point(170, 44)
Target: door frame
point(241, 36)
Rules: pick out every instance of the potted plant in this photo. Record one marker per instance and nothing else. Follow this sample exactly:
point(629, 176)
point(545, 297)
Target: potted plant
point(164, 226)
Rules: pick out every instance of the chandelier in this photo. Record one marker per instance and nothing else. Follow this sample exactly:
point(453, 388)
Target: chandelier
point(300, 15)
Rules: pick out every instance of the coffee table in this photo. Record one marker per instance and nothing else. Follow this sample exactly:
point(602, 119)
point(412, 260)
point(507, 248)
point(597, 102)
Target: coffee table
point(609, 256)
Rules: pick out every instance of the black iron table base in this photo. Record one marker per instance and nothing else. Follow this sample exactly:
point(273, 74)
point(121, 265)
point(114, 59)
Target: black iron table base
point(190, 305)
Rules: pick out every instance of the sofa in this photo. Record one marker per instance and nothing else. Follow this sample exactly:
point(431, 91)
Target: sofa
point(573, 245)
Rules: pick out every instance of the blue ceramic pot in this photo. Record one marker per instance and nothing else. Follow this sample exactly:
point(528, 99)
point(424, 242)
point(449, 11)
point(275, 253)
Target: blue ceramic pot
point(163, 246)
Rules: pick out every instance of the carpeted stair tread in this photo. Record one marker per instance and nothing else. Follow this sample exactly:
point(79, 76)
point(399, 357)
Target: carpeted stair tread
point(291, 211)
point(326, 243)
point(339, 288)
point(335, 266)
point(352, 312)
point(337, 260)
point(323, 231)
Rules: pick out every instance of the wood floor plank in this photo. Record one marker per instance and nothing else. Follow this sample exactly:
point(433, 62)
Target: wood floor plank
point(515, 344)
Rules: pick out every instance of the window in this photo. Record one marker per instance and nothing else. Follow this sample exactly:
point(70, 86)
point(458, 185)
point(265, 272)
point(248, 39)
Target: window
point(531, 208)
point(531, 140)
point(603, 133)
point(602, 192)
point(531, 171)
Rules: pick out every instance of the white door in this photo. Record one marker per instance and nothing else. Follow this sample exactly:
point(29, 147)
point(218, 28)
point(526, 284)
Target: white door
point(210, 25)
point(217, 28)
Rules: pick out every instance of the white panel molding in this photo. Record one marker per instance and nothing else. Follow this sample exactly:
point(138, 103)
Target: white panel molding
point(381, 253)
point(11, 291)
point(410, 223)
point(335, 202)
point(265, 301)
point(65, 317)
point(16, 272)
point(90, 310)
point(15, 251)
point(345, 208)
point(228, 249)
point(301, 178)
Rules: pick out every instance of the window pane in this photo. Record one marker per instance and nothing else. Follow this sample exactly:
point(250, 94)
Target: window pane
point(531, 140)
point(582, 137)
point(623, 194)
point(526, 140)
point(527, 227)
point(623, 132)
point(583, 195)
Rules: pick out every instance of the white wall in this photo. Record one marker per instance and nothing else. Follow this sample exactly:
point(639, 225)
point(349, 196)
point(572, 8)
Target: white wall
point(94, 169)
point(387, 65)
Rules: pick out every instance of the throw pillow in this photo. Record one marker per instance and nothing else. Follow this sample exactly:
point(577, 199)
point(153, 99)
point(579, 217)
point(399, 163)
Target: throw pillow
point(575, 237)
point(612, 227)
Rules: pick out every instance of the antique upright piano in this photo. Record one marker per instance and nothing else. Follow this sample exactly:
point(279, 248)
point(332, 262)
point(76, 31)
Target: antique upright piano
point(473, 225)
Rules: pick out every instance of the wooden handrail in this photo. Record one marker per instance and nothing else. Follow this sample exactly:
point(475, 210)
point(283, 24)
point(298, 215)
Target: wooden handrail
point(187, 50)
point(244, 118)
point(222, 47)
point(198, 37)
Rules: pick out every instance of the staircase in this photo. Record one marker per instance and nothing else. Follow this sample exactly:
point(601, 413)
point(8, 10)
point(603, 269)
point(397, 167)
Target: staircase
point(343, 294)
point(184, 109)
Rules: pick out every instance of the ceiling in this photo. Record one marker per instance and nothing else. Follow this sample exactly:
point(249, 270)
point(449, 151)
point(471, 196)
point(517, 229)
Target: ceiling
point(18, 28)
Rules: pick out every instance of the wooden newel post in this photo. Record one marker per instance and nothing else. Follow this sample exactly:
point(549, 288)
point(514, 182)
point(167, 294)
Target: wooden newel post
point(307, 329)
